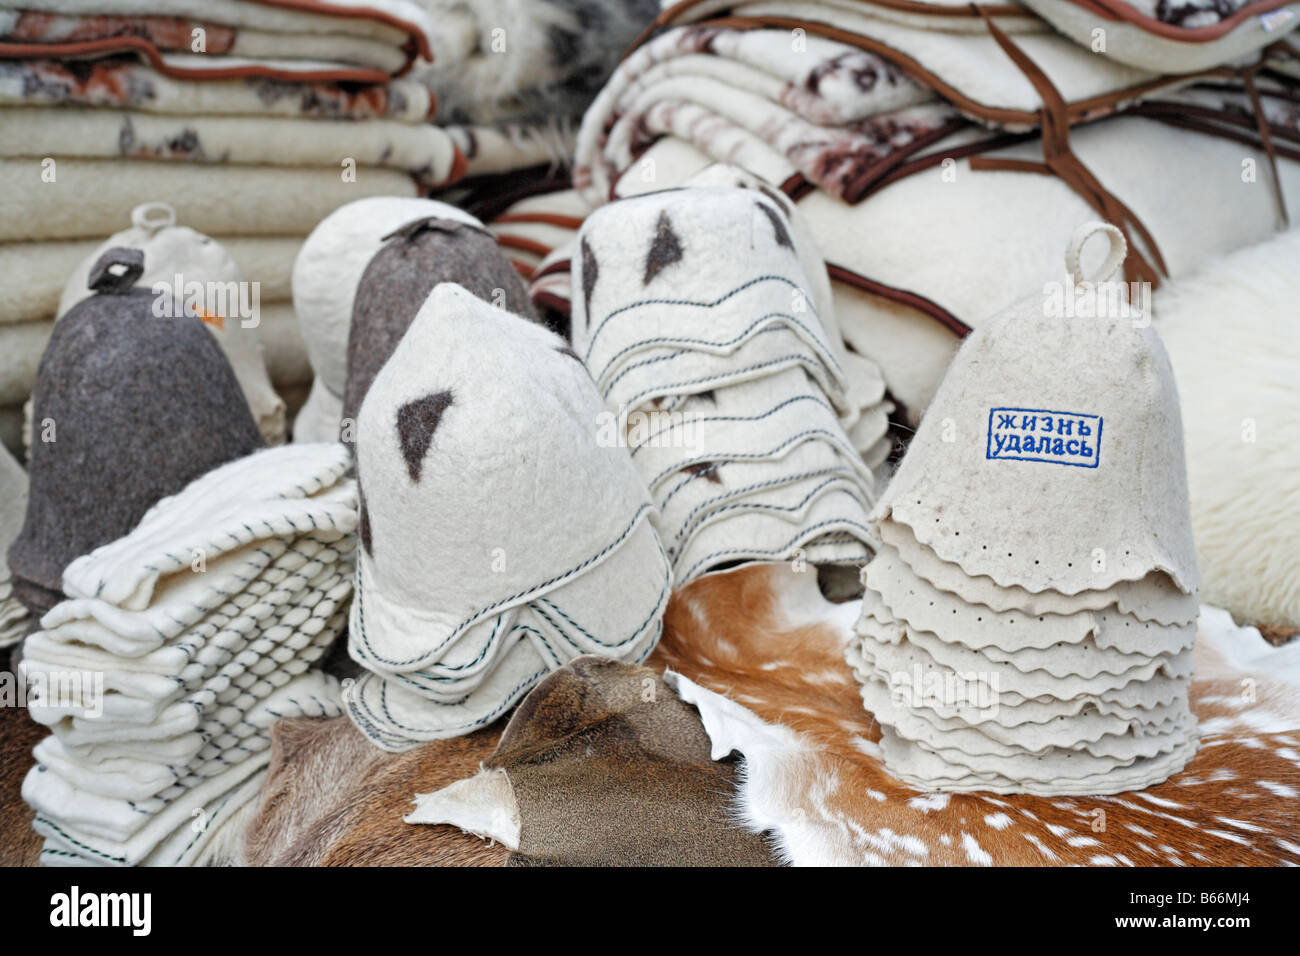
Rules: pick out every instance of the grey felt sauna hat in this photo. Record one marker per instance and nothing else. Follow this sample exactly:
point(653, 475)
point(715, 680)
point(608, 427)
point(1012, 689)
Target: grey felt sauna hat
point(128, 408)
point(171, 251)
point(413, 259)
point(1075, 420)
point(326, 275)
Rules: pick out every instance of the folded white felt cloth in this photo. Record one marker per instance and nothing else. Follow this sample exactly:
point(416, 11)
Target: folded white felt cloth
point(95, 196)
point(121, 82)
point(836, 90)
point(13, 506)
point(191, 273)
point(423, 151)
point(504, 147)
point(165, 829)
point(326, 275)
point(699, 312)
point(461, 607)
point(180, 645)
point(1042, 649)
point(342, 39)
point(904, 302)
point(1171, 37)
point(34, 275)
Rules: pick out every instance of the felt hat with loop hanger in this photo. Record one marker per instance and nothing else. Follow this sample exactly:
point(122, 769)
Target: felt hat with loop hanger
point(478, 417)
point(1052, 456)
point(180, 256)
point(130, 408)
point(1035, 560)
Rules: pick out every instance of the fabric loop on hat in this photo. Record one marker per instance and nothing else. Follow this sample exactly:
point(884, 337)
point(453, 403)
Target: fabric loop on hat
point(152, 216)
point(116, 270)
point(1118, 250)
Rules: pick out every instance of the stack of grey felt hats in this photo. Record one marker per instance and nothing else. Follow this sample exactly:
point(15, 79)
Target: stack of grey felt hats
point(1029, 619)
point(178, 647)
point(127, 408)
point(695, 312)
point(414, 244)
point(499, 538)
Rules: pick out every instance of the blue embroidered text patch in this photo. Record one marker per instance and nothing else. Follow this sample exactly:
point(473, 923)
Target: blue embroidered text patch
point(1035, 434)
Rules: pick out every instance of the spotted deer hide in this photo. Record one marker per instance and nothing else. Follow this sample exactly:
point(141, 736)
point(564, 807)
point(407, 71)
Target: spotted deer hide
point(760, 653)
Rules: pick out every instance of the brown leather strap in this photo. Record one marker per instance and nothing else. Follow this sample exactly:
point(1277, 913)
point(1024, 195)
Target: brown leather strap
point(1060, 159)
point(1265, 134)
point(545, 218)
point(912, 299)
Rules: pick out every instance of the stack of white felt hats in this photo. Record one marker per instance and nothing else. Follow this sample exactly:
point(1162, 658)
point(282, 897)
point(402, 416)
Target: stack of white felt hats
point(500, 538)
point(1029, 619)
point(178, 647)
point(695, 312)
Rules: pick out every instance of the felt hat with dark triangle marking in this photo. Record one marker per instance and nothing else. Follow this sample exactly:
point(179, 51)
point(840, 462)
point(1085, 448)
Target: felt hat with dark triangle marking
point(414, 258)
point(128, 408)
point(482, 476)
point(681, 291)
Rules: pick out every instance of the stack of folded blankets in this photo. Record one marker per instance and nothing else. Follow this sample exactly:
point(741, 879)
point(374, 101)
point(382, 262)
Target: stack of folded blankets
point(920, 143)
point(703, 315)
point(494, 526)
point(251, 118)
point(538, 231)
point(178, 647)
point(1029, 619)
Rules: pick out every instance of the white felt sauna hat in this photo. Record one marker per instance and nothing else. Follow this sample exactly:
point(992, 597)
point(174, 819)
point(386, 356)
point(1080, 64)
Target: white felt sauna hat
point(699, 276)
point(172, 251)
point(482, 477)
point(326, 275)
point(1052, 455)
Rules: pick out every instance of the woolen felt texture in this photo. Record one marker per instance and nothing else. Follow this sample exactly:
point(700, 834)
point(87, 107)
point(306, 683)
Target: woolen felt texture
point(170, 251)
point(449, 454)
point(686, 289)
point(1041, 524)
point(326, 275)
point(140, 406)
point(13, 505)
point(866, 384)
point(413, 260)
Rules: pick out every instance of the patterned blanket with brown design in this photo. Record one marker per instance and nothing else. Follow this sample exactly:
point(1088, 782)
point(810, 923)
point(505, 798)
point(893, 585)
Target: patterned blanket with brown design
point(323, 39)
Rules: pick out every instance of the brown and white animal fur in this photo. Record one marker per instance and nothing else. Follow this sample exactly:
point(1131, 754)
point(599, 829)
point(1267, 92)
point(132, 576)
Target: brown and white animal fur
point(754, 636)
point(334, 799)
